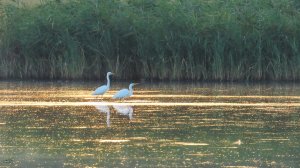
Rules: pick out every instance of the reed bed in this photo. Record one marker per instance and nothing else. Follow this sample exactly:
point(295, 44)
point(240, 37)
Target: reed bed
point(218, 40)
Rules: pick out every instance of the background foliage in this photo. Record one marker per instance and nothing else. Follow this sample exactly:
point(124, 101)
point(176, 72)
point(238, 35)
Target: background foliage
point(151, 39)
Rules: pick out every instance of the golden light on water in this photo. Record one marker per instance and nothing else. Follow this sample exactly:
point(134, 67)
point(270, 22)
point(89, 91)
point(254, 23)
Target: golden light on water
point(239, 167)
point(61, 126)
point(113, 140)
point(190, 144)
point(275, 139)
point(87, 95)
point(207, 104)
point(102, 140)
point(201, 154)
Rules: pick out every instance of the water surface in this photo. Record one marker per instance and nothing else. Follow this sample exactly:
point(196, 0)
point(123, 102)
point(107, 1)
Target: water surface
point(59, 124)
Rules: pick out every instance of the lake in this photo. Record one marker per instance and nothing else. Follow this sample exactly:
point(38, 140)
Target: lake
point(60, 124)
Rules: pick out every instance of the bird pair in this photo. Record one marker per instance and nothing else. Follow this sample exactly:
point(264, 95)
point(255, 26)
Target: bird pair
point(120, 94)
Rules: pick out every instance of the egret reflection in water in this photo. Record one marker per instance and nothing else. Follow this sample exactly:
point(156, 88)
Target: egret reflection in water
point(102, 108)
point(120, 109)
point(124, 110)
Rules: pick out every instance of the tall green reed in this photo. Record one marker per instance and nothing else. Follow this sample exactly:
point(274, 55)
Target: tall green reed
point(158, 39)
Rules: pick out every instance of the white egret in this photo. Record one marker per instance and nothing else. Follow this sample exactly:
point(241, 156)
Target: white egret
point(125, 92)
point(104, 88)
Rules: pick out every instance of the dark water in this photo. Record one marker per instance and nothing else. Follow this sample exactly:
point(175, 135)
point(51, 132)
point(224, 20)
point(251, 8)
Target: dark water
point(45, 124)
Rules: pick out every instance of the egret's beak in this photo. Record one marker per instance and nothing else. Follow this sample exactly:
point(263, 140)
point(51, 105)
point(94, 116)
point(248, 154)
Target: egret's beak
point(136, 83)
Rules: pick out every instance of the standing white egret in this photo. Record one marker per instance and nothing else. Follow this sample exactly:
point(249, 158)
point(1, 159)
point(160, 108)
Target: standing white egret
point(125, 92)
point(104, 88)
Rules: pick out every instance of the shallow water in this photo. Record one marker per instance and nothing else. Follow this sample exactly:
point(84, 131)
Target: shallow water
point(58, 124)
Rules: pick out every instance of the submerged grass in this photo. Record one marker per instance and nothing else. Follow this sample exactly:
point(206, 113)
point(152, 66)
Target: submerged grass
point(156, 39)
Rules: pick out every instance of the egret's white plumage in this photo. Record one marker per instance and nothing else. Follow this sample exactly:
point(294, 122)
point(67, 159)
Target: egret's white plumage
point(125, 92)
point(104, 88)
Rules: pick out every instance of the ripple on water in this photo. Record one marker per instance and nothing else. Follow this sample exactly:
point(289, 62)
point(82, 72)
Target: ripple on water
point(197, 126)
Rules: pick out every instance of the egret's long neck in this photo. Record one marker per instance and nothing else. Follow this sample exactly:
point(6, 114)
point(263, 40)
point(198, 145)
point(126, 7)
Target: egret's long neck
point(131, 90)
point(108, 81)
